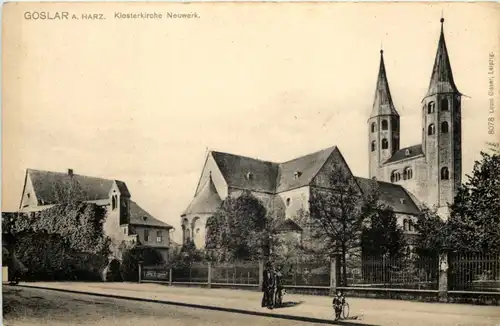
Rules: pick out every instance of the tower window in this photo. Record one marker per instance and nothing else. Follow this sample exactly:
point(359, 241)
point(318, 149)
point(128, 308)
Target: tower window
point(445, 173)
point(444, 127)
point(431, 130)
point(373, 146)
point(373, 127)
point(395, 176)
point(408, 174)
point(288, 200)
point(430, 107)
point(444, 104)
point(385, 144)
point(385, 125)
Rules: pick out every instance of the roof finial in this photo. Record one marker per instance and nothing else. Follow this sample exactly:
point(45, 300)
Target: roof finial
point(381, 47)
point(442, 18)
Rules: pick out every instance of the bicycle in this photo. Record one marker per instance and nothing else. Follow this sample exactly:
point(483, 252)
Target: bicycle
point(342, 310)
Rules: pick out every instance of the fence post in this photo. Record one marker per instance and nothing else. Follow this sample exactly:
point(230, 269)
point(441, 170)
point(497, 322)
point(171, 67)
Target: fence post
point(170, 276)
point(333, 275)
point(443, 277)
point(209, 275)
point(140, 272)
point(261, 274)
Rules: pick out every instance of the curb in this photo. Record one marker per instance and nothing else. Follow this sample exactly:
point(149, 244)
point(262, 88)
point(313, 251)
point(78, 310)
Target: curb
point(198, 306)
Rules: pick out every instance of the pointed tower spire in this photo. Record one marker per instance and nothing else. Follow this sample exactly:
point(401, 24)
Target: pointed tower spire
point(382, 103)
point(442, 76)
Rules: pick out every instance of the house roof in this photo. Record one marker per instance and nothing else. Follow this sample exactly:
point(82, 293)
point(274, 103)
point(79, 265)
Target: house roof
point(247, 173)
point(413, 151)
point(206, 201)
point(267, 176)
point(139, 217)
point(390, 194)
point(45, 184)
point(288, 225)
point(306, 166)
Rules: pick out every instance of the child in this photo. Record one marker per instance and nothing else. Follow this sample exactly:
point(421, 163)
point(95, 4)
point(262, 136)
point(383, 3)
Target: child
point(338, 301)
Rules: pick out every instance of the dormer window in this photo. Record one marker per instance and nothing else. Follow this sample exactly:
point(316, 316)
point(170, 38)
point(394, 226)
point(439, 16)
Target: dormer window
point(144, 218)
point(297, 175)
point(402, 200)
point(249, 176)
point(407, 152)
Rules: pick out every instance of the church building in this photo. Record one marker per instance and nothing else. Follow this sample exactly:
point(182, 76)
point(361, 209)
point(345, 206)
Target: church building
point(428, 173)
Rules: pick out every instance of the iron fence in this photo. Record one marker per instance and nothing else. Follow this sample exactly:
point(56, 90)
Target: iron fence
point(474, 272)
point(404, 273)
point(236, 273)
point(307, 274)
point(193, 273)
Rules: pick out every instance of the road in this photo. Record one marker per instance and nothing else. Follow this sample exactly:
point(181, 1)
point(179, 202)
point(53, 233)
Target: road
point(24, 306)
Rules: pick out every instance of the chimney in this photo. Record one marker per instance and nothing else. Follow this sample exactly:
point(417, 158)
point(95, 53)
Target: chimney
point(70, 172)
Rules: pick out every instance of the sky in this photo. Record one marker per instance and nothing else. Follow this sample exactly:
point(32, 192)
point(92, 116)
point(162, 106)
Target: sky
point(142, 101)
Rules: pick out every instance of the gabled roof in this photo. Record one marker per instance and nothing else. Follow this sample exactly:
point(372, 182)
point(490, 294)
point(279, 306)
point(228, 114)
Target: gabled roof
point(390, 194)
point(206, 201)
point(288, 225)
point(442, 76)
point(139, 217)
point(406, 153)
point(301, 171)
point(46, 182)
point(382, 102)
point(247, 173)
point(262, 176)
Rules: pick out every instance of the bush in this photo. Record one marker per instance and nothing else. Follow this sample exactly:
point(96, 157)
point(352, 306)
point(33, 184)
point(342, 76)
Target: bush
point(130, 265)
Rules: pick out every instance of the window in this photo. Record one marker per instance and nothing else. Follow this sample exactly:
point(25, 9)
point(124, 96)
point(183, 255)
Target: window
point(373, 126)
point(445, 173)
point(411, 226)
point(394, 124)
point(431, 130)
point(385, 125)
point(444, 104)
point(297, 175)
point(395, 176)
point(373, 146)
point(430, 107)
point(288, 200)
point(385, 144)
point(124, 230)
point(146, 235)
point(113, 202)
point(408, 173)
point(159, 236)
point(249, 176)
point(406, 225)
point(444, 127)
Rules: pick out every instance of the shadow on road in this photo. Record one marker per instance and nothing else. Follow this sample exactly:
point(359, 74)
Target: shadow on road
point(290, 304)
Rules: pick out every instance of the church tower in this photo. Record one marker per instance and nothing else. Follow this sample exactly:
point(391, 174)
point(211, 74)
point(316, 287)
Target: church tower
point(383, 125)
point(442, 130)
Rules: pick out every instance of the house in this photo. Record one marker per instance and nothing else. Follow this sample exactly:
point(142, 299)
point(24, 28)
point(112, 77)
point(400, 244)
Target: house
point(125, 219)
point(428, 173)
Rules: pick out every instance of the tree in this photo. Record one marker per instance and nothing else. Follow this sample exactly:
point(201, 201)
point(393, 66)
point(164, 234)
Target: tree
point(147, 256)
point(432, 234)
point(475, 219)
point(382, 235)
point(337, 214)
point(236, 229)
